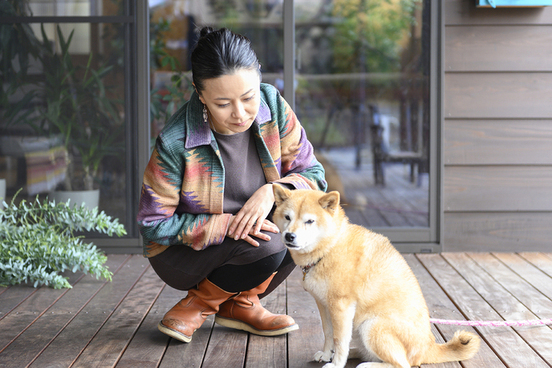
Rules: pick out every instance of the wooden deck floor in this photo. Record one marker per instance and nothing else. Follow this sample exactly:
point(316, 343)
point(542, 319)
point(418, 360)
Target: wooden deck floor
point(98, 324)
point(399, 203)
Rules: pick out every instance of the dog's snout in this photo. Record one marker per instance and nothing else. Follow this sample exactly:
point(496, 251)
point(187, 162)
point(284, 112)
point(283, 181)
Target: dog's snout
point(290, 237)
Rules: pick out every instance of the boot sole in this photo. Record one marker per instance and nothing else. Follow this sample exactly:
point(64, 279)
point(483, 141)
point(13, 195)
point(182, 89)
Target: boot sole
point(239, 325)
point(173, 333)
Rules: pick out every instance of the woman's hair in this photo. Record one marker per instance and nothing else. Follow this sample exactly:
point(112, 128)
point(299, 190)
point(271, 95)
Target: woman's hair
point(219, 53)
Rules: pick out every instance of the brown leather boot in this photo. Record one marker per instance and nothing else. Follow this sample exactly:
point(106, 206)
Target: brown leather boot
point(188, 315)
point(245, 312)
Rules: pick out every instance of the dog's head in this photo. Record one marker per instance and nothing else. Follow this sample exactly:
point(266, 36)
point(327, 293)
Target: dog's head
point(305, 217)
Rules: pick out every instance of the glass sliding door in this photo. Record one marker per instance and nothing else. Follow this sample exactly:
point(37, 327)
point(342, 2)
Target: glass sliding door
point(67, 101)
point(363, 76)
point(362, 93)
point(358, 75)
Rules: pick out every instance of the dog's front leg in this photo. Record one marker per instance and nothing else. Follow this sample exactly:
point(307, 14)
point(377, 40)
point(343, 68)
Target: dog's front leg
point(342, 316)
point(326, 354)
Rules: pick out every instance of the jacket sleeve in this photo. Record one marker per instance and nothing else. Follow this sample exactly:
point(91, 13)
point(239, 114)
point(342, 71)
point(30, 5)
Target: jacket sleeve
point(299, 166)
point(161, 223)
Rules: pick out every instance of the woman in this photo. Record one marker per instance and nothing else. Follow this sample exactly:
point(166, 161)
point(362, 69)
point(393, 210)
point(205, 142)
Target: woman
point(207, 192)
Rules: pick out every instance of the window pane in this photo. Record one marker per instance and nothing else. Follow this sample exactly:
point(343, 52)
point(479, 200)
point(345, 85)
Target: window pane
point(72, 7)
point(173, 37)
point(362, 95)
point(63, 119)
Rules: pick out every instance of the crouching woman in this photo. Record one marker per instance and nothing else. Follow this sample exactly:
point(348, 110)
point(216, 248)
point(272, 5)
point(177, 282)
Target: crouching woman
point(206, 199)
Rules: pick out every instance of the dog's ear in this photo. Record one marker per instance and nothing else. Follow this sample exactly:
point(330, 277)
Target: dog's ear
point(330, 201)
point(280, 193)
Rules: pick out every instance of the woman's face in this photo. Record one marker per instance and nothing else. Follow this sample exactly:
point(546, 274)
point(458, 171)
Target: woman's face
point(232, 100)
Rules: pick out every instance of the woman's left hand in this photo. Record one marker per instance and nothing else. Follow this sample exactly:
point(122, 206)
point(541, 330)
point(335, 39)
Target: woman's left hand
point(251, 218)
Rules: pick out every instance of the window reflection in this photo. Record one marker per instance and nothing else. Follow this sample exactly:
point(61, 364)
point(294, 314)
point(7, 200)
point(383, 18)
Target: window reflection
point(63, 100)
point(361, 89)
point(362, 94)
point(73, 7)
point(172, 31)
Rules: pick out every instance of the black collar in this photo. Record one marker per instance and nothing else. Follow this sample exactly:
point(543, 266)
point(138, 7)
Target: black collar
point(308, 267)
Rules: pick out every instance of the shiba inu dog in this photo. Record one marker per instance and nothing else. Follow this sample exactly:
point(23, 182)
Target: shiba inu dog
point(364, 289)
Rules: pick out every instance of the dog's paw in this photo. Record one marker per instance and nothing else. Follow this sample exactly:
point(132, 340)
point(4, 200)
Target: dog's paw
point(322, 356)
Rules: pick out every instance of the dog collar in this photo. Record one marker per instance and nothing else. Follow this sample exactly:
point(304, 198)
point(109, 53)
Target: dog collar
point(308, 267)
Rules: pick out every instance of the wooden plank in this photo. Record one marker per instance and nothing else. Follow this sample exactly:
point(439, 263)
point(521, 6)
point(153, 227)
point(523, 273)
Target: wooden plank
point(113, 338)
point(505, 342)
point(462, 12)
point(148, 344)
point(503, 302)
point(522, 291)
point(74, 338)
point(12, 297)
point(540, 260)
point(515, 283)
point(440, 306)
point(498, 142)
point(30, 310)
point(498, 188)
point(180, 354)
point(35, 338)
point(411, 202)
point(398, 204)
point(305, 342)
point(497, 232)
point(539, 278)
point(528, 271)
point(498, 48)
point(227, 348)
point(368, 218)
point(498, 95)
point(269, 352)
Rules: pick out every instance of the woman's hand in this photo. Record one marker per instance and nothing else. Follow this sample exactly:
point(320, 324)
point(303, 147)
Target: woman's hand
point(251, 219)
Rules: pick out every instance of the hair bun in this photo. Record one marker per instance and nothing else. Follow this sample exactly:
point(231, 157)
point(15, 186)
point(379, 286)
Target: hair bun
point(205, 31)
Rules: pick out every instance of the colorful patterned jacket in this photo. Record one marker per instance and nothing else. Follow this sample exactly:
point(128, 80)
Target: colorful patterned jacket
point(182, 195)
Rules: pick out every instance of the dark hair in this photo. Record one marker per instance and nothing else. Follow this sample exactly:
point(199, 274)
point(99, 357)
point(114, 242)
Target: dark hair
point(219, 53)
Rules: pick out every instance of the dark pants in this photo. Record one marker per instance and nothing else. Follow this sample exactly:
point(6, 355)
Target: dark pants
point(233, 265)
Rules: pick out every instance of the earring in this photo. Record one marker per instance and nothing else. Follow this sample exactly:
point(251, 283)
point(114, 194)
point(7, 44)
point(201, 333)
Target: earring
point(205, 115)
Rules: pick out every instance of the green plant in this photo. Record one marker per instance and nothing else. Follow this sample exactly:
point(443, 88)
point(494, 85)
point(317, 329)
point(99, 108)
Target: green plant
point(77, 106)
point(18, 46)
point(38, 242)
point(368, 36)
point(166, 99)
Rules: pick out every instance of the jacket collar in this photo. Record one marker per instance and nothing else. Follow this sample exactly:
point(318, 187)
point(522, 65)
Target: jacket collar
point(199, 134)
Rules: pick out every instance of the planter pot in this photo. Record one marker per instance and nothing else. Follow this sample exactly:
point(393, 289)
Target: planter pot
point(2, 192)
point(90, 198)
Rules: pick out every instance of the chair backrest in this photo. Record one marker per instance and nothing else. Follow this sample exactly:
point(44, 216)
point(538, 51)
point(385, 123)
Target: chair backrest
point(379, 149)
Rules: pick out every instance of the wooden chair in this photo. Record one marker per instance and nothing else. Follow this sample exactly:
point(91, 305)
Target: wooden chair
point(381, 155)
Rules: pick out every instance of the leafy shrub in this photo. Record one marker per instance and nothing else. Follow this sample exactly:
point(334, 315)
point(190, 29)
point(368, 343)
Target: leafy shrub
point(38, 242)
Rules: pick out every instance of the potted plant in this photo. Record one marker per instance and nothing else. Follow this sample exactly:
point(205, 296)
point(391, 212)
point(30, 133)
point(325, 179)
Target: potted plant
point(18, 46)
point(76, 106)
point(38, 242)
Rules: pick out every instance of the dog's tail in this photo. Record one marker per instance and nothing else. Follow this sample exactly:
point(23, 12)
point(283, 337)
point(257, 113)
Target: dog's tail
point(463, 346)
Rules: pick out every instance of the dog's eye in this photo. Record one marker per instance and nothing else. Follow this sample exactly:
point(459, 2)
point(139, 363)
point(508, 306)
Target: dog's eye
point(308, 222)
point(287, 217)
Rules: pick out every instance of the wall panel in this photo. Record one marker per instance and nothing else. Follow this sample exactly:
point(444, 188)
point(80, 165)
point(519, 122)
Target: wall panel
point(498, 142)
point(498, 48)
point(498, 95)
point(498, 188)
point(499, 232)
point(497, 128)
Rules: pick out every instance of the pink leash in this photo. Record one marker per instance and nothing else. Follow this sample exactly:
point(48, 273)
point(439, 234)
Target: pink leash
point(539, 322)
